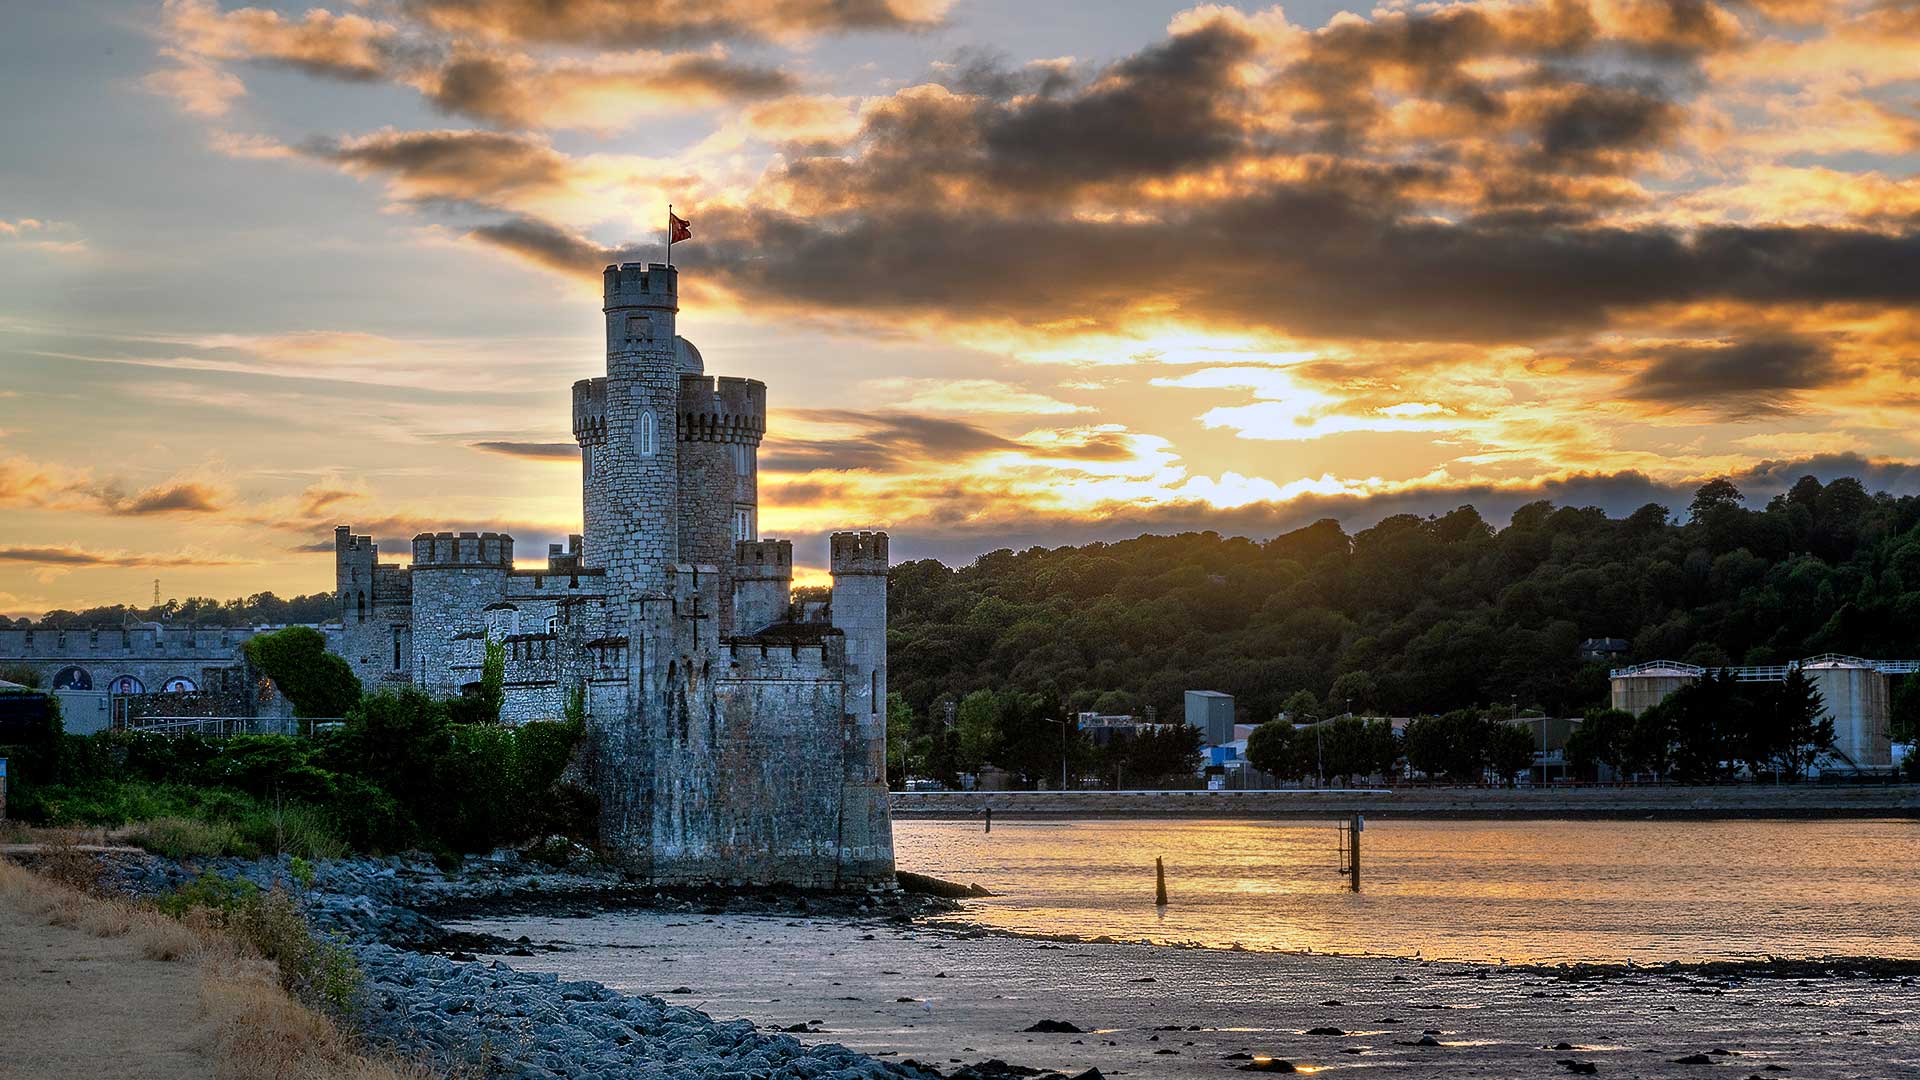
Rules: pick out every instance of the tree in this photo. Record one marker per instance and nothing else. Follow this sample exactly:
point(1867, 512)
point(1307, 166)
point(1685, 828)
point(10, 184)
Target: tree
point(977, 729)
point(1602, 738)
point(1354, 690)
point(1509, 750)
point(900, 741)
point(315, 681)
point(1272, 749)
point(1162, 754)
point(482, 703)
point(1302, 707)
point(1801, 730)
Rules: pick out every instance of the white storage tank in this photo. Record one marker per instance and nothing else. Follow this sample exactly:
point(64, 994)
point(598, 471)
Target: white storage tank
point(1856, 697)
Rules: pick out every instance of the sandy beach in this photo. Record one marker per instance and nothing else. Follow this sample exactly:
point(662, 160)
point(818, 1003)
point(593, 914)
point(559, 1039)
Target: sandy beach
point(945, 995)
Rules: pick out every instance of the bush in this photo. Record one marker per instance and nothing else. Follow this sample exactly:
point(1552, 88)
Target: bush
point(189, 838)
point(318, 683)
point(319, 971)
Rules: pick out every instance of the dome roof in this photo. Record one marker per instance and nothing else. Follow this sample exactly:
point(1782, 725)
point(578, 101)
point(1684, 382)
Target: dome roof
point(690, 361)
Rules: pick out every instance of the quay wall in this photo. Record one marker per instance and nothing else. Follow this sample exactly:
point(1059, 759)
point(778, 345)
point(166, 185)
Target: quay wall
point(1733, 801)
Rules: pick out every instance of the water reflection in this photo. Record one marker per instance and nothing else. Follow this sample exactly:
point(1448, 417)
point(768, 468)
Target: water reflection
point(1545, 891)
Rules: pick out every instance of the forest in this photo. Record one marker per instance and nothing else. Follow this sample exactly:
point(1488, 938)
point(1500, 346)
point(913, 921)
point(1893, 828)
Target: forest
point(1416, 615)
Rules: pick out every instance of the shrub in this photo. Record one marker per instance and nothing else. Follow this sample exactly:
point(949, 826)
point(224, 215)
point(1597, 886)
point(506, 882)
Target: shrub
point(188, 838)
point(318, 683)
point(318, 970)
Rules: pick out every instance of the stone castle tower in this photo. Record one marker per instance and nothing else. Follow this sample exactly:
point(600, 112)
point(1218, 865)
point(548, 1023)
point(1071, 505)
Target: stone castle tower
point(727, 740)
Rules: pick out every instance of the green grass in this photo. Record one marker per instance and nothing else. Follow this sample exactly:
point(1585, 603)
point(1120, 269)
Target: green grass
point(185, 822)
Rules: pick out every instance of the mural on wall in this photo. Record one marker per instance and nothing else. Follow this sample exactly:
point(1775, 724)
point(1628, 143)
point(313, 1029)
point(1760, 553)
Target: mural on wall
point(73, 678)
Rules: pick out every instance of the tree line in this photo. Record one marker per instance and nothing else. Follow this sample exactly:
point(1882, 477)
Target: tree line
point(1415, 615)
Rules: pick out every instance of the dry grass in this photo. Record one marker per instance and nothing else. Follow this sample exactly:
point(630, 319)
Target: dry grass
point(258, 1030)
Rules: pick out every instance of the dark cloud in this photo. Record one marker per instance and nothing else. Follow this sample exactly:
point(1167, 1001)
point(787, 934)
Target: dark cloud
point(1308, 259)
point(506, 94)
point(75, 557)
point(887, 442)
point(184, 498)
point(1163, 110)
point(480, 167)
point(651, 23)
point(1739, 380)
point(1591, 126)
point(538, 451)
point(549, 245)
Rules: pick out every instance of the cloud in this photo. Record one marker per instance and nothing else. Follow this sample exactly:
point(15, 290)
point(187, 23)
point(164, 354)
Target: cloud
point(971, 397)
point(510, 90)
point(1736, 380)
point(171, 498)
point(345, 46)
point(649, 23)
point(480, 167)
point(881, 442)
point(537, 451)
point(72, 557)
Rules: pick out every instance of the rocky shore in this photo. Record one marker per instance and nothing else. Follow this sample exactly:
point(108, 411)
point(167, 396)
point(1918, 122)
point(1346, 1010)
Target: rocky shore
point(457, 1012)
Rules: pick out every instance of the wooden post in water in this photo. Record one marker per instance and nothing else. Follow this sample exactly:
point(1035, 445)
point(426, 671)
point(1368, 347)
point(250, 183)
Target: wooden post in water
point(1353, 851)
point(989, 819)
point(1159, 882)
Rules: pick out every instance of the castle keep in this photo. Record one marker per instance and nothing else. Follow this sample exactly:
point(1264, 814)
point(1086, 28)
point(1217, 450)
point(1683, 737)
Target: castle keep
point(726, 739)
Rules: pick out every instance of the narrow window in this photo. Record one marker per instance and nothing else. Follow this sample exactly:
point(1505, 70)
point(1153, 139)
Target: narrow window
point(396, 648)
point(587, 453)
point(647, 439)
point(363, 607)
point(873, 695)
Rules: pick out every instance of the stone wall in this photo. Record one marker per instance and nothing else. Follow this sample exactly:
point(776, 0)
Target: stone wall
point(152, 657)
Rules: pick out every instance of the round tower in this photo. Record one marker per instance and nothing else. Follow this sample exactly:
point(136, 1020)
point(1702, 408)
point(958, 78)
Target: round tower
point(627, 428)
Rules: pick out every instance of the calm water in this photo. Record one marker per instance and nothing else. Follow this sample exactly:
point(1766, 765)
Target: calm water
point(1546, 891)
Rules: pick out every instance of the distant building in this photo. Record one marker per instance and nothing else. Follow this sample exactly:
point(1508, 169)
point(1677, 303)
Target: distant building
point(1102, 729)
point(1212, 712)
point(1607, 649)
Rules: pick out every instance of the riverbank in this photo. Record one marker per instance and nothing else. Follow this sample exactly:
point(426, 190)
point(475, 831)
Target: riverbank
point(460, 1016)
point(1730, 801)
point(941, 993)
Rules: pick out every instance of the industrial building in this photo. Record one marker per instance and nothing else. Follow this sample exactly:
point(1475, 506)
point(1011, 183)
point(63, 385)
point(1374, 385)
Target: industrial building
point(1855, 690)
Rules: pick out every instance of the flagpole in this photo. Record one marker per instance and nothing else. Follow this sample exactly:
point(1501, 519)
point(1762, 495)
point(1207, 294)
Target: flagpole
point(669, 234)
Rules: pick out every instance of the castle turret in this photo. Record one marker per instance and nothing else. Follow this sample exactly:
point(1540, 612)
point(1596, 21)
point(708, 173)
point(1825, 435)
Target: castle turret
point(721, 423)
point(762, 583)
point(858, 562)
point(458, 577)
point(627, 428)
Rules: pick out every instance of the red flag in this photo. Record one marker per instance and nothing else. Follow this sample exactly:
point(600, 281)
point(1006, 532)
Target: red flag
point(678, 228)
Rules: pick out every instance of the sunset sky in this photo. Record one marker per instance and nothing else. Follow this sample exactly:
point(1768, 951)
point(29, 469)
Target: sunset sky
point(1014, 272)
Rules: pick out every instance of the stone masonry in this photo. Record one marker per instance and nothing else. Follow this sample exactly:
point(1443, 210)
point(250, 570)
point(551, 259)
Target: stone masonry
point(727, 741)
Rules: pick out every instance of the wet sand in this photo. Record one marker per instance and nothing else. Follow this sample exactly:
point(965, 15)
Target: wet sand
point(944, 996)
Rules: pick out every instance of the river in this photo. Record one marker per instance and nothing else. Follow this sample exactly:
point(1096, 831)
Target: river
point(1537, 891)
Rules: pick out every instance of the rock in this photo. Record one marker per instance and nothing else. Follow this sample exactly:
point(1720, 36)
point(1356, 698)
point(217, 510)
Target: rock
point(1693, 1059)
point(1054, 1027)
point(1325, 1031)
point(1582, 1068)
point(1270, 1065)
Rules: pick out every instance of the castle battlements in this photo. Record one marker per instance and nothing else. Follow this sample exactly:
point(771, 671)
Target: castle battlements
point(858, 553)
point(641, 285)
point(722, 409)
point(758, 559)
point(590, 411)
point(432, 551)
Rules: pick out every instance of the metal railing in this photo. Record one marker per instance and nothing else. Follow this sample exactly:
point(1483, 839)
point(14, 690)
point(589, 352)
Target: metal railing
point(1768, 672)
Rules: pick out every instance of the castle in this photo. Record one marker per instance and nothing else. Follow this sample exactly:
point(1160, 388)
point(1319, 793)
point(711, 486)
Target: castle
point(726, 741)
